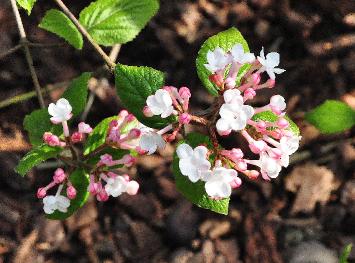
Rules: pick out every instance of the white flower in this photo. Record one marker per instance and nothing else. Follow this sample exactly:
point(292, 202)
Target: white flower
point(240, 56)
point(193, 163)
point(217, 60)
point(151, 141)
point(289, 145)
point(219, 183)
point(55, 202)
point(160, 103)
point(116, 186)
point(61, 111)
point(234, 114)
point(269, 63)
point(278, 102)
point(269, 167)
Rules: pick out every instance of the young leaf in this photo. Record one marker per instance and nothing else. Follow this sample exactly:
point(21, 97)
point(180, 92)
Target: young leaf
point(35, 157)
point(134, 85)
point(195, 192)
point(112, 22)
point(225, 40)
point(332, 116)
point(272, 117)
point(27, 5)
point(345, 254)
point(58, 23)
point(98, 136)
point(77, 93)
point(36, 124)
point(80, 180)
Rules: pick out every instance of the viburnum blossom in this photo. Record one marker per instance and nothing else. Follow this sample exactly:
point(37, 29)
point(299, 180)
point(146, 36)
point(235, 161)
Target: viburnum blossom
point(220, 182)
point(193, 163)
point(61, 112)
point(270, 63)
point(160, 103)
point(56, 202)
point(217, 60)
point(234, 114)
point(151, 141)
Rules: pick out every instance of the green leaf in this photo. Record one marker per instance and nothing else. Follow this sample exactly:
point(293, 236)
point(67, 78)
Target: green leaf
point(27, 5)
point(112, 22)
point(195, 192)
point(98, 136)
point(36, 124)
point(225, 40)
point(77, 93)
point(115, 153)
point(58, 23)
point(272, 117)
point(332, 117)
point(35, 157)
point(345, 254)
point(80, 180)
point(134, 85)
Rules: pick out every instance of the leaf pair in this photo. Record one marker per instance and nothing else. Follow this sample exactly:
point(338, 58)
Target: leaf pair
point(108, 22)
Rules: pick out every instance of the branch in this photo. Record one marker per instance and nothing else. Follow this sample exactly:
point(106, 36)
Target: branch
point(10, 51)
point(24, 43)
point(76, 22)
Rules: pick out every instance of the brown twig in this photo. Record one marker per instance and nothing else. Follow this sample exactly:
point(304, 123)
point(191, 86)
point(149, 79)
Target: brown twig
point(24, 43)
point(76, 22)
point(10, 51)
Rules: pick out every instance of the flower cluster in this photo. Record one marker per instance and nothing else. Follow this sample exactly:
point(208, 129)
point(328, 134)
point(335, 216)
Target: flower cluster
point(273, 142)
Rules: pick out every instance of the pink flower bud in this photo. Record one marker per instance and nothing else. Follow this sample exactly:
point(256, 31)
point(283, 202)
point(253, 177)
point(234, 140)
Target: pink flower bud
point(252, 174)
point(128, 160)
point(132, 187)
point(249, 93)
point(282, 123)
point(230, 83)
point(123, 114)
point(224, 132)
point(76, 137)
point(185, 93)
point(41, 192)
point(241, 165)
point(237, 153)
point(84, 128)
point(147, 112)
point(236, 182)
point(102, 196)
point(261, 125)
point(134, 133)
point(51, 139)
point(113, 123)
point(275, 110)
point(130, 117)
point(258, 146)
point(106, 159)
point(59, 176)
point(126, 177)
point(184, 118)
point(256, 78)
point(171, 137)
point(71, 192)
point(140, 150)
point(216, 79)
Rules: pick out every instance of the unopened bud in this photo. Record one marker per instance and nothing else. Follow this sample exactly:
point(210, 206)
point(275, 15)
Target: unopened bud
point(184, 93)
point(134, 133)
point(216, 79)
point(59, 176)
point(184, 118)
point(147, 112)
point(76, 137)
point(41, 192)
point(282, 123)
point(71, 192)
point(236, 182)
point(132, 187)
point(230, 83)
point(256, 78)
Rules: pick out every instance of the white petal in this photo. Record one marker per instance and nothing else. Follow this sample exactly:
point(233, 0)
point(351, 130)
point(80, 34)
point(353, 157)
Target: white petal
point(184, 151)
point(223, 125)
point(273, 59)
point(248, 111)
point(278, 101)
point(229, 95)
point(147, 143)
point(271, 73)
point(279, 70)
point(168, 111)
point(200, 152)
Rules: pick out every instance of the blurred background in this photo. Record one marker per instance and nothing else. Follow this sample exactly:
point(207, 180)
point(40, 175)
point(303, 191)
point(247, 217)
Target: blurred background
point(306, 215)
